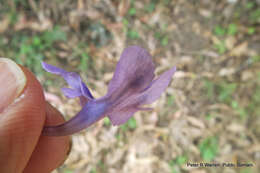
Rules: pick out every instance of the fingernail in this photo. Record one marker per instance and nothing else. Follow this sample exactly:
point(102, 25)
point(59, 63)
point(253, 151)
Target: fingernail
point(12, 82)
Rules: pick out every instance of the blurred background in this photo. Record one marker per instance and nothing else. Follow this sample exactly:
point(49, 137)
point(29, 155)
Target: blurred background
point(210, 112)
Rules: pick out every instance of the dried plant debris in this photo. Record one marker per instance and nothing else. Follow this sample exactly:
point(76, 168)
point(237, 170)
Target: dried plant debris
point(209, 113)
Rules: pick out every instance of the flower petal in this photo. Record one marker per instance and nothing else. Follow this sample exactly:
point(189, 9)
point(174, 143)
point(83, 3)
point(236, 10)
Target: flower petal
point(122, 111)
point(83, 100)
point(149, 95)
point(134, 72)
point(120, 117)
point(85, 91)
point(157, 87)
point(52, 69)
point(72, 78)
point(71, 93)
point(93, 111)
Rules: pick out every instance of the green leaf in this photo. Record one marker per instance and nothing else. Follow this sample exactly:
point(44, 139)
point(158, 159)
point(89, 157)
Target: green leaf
point(221, 47)
point(84, 62)
point(251, 30)
point(54, 35)
point(164, 41)
point(219, 31)
point(13, 17)
point(226, 90)
point(210, 88)
point(133, 34)
point(36, 41)
point(173, 166)
point(132, 11)
point(250, 5)
point(157, 35)
point(124, 127)
point(255, 15)
point(180, 160)
point(150, 7)
point(93, 170)
point(106, 121)
point(209, 116)
point(232, 29)
point(67, 171)
point(209, 148)
point(170, 100)
point(208, 154)
point(246, 170)
point(119, 136)
point(242, 113)
point(125, 22)
point(132, 123)
point(234, 104)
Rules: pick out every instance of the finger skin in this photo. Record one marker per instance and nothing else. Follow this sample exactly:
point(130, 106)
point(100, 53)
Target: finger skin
point(20, 126)
point(50, 152)
point(22, 148)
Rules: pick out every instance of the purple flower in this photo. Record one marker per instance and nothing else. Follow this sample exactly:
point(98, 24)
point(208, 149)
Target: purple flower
point(132, 86)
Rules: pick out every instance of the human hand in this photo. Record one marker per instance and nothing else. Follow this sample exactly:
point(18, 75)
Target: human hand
point(23, 113)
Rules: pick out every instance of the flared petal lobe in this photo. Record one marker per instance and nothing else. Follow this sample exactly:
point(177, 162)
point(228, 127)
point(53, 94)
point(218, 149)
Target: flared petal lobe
point(157, 87)
point(73, 79)
point(132, 86)
point(125, 109)
point(134, 72)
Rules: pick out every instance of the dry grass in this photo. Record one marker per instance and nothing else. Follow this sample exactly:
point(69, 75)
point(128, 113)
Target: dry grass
point(209, 113)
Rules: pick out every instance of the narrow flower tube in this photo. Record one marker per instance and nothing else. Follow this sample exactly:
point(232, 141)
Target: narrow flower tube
point(132, 86)
point(92, 112)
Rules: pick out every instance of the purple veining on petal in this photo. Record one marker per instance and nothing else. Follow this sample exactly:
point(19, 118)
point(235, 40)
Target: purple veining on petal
point(132, 86)
point(148, 96)
point(134, 72)
point(151, 93)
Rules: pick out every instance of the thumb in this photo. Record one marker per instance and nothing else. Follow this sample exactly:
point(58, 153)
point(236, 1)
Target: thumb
point(22, 115)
